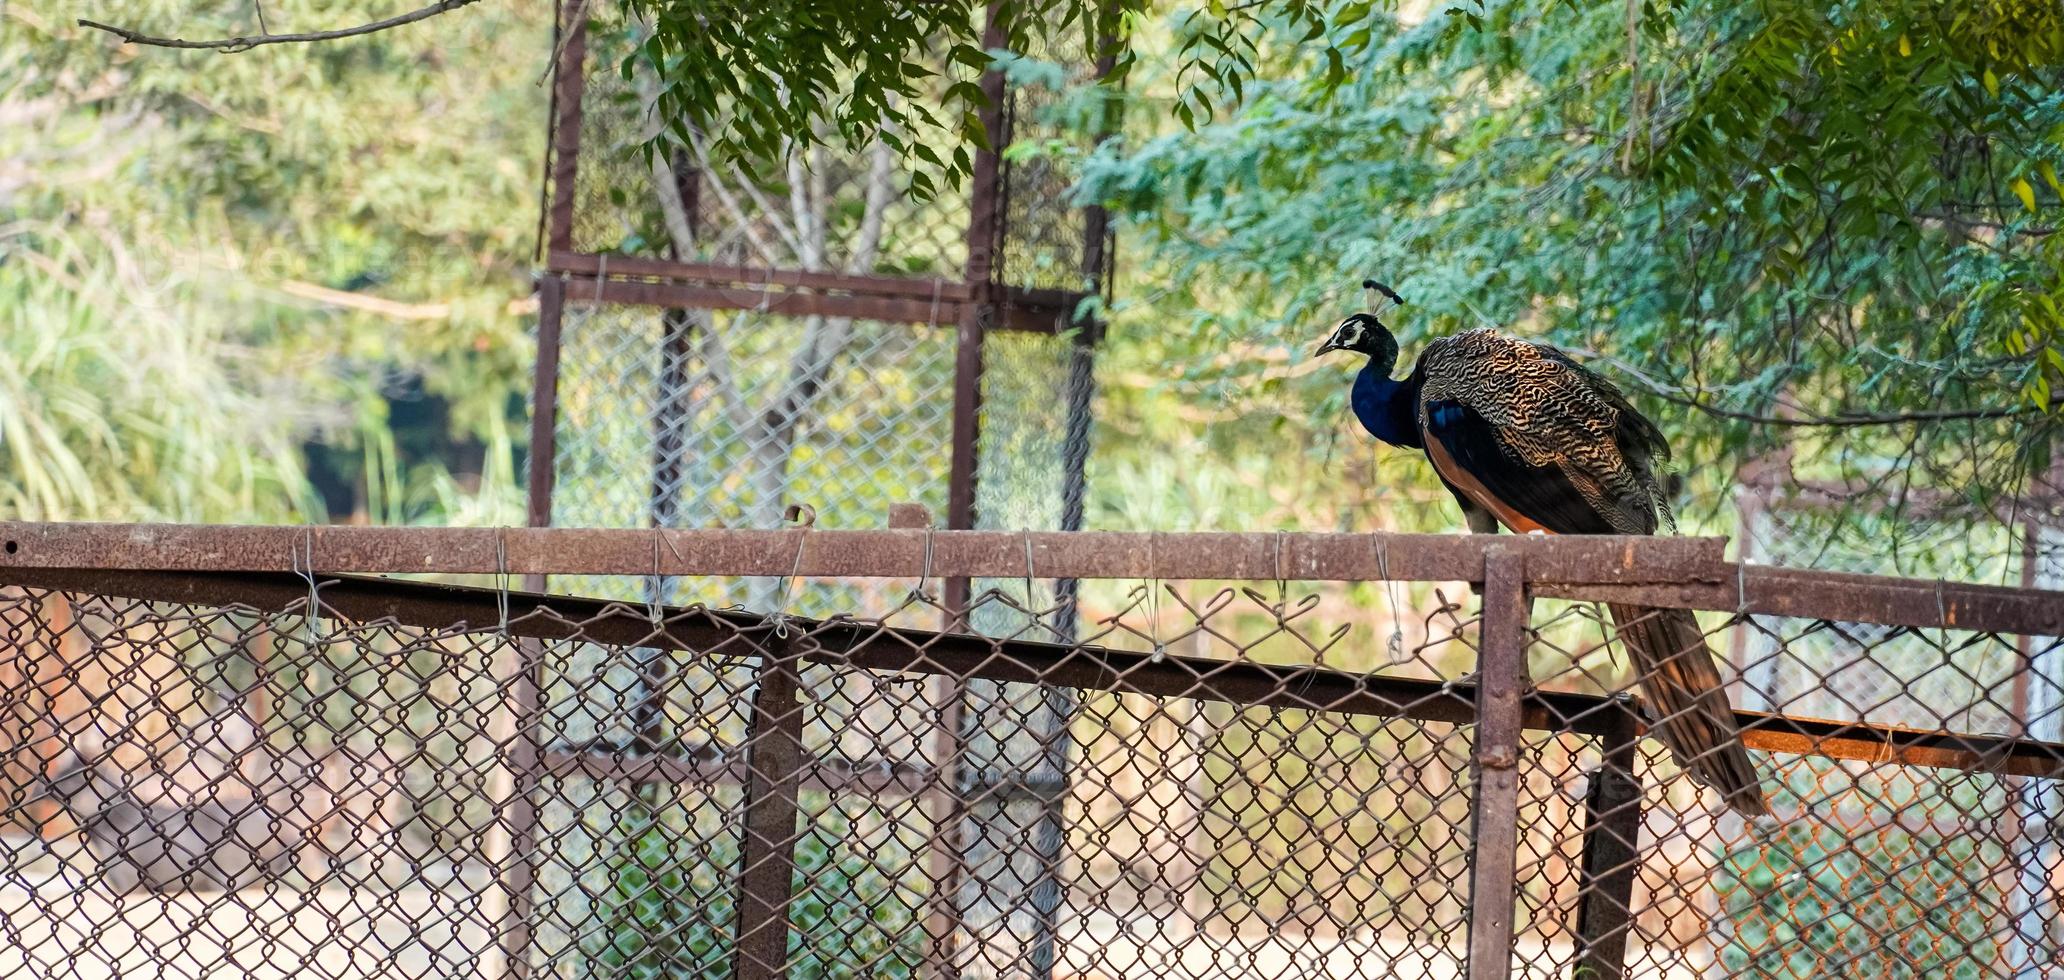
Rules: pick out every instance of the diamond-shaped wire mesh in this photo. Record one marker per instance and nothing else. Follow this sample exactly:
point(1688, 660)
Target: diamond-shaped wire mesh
point(722, 419)
point(208, 791)
point(1870, 867)
point(1212, 782)
point(204, 791)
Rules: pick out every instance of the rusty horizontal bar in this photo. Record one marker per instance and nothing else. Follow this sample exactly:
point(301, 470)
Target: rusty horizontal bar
point(587, 290)
point(898, 553)
point(1933, 748)
point(1018, 309)
point(966, 656)
point(755, 277)
point(1844, 597)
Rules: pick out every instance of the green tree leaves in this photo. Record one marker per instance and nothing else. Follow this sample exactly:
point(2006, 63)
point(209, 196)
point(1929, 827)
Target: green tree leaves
point(1780, 209)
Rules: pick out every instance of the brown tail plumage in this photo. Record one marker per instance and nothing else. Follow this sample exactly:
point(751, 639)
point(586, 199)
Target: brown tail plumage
point(1691, 713)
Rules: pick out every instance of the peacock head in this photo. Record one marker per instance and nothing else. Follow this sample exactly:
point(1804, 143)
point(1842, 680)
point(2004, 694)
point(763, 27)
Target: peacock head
point(1364, 333)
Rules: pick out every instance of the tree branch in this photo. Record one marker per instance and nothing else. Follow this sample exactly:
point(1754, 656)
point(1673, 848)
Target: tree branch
point(1853, 420)
point(231, 45)
point(1839, 420)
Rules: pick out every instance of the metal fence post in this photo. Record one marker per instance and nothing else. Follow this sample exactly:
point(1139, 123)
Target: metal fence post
point(1501, 670)
point(766, 865)
point(520, 870)
point(1606, 872)
point(569, 84)
point(513, 847)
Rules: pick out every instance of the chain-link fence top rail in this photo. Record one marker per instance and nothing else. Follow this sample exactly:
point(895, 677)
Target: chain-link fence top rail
point(225, 760)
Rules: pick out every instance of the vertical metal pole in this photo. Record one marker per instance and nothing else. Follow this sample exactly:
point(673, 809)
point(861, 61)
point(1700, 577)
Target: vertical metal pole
point(1606, 871)
point(984, 215)
point(1501, 678)
point(766, 866)
point(1760, 659)
point(2038, 804)
point(569, 82)
point(544, 412)
point(1081, 391)
point(519, 864)
point(946, 807)
point(1057, 711)
point(943, 914)
point(1749, 505)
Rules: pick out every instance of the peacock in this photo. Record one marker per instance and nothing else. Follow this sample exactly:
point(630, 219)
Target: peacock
point(1527, 438)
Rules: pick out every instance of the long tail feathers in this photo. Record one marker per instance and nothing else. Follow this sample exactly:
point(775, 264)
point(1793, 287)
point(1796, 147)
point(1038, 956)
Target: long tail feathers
point(1692, 715)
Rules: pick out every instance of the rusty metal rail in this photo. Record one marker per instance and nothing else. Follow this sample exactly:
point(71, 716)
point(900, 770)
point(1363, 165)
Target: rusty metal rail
point(775, 715)
point(1686, 573)
point(961, 656)
point(900, 552)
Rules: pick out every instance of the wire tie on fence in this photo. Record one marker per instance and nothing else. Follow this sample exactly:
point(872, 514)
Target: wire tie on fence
point(601, 276)
point(804, 517)
point(1741, 588)
point(656, 595)
point(1152, 585)
point(937, 284)
point(1941, 608)
point(1394, 646)
point(1027, 532)
point(502, 578)
point(766, 292)
point(924, 576)
point(307, 572)
point(1282, 580)
point(1160, 653)
point(1311, 680)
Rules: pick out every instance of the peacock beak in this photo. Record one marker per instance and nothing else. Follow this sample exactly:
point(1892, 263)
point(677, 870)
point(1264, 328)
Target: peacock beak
point(1332, 344)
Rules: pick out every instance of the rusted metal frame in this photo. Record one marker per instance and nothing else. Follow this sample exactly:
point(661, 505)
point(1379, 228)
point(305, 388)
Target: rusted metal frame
point(522, 756)
point(520, 875)
point(771, 814)
point(2013, 830)
point(1081, 392)
point(1494, 812)
point(638, 292)
point(895, 553)
point(963, 656)
point(541, 465)
point(943, 913)
point(569, 81)
point(1844, 597)
point(1609, 863)
point(1026, 310)
point(945, 808)
point(1012, 312)
point(1894, 745)
point(756, 277)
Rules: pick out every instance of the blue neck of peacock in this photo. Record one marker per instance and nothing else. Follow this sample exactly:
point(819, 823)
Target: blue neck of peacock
point(1386, 407)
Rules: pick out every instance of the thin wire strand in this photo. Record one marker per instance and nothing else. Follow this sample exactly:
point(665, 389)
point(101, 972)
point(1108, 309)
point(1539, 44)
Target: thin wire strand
point(1394, 646)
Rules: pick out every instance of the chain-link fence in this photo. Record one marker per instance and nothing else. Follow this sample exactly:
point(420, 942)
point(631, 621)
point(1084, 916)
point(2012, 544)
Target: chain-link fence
point(836, 323)
point(224, 759)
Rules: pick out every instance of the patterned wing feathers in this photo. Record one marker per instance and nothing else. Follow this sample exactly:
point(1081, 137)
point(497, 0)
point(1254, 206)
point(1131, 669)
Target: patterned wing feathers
point(1550, 413)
